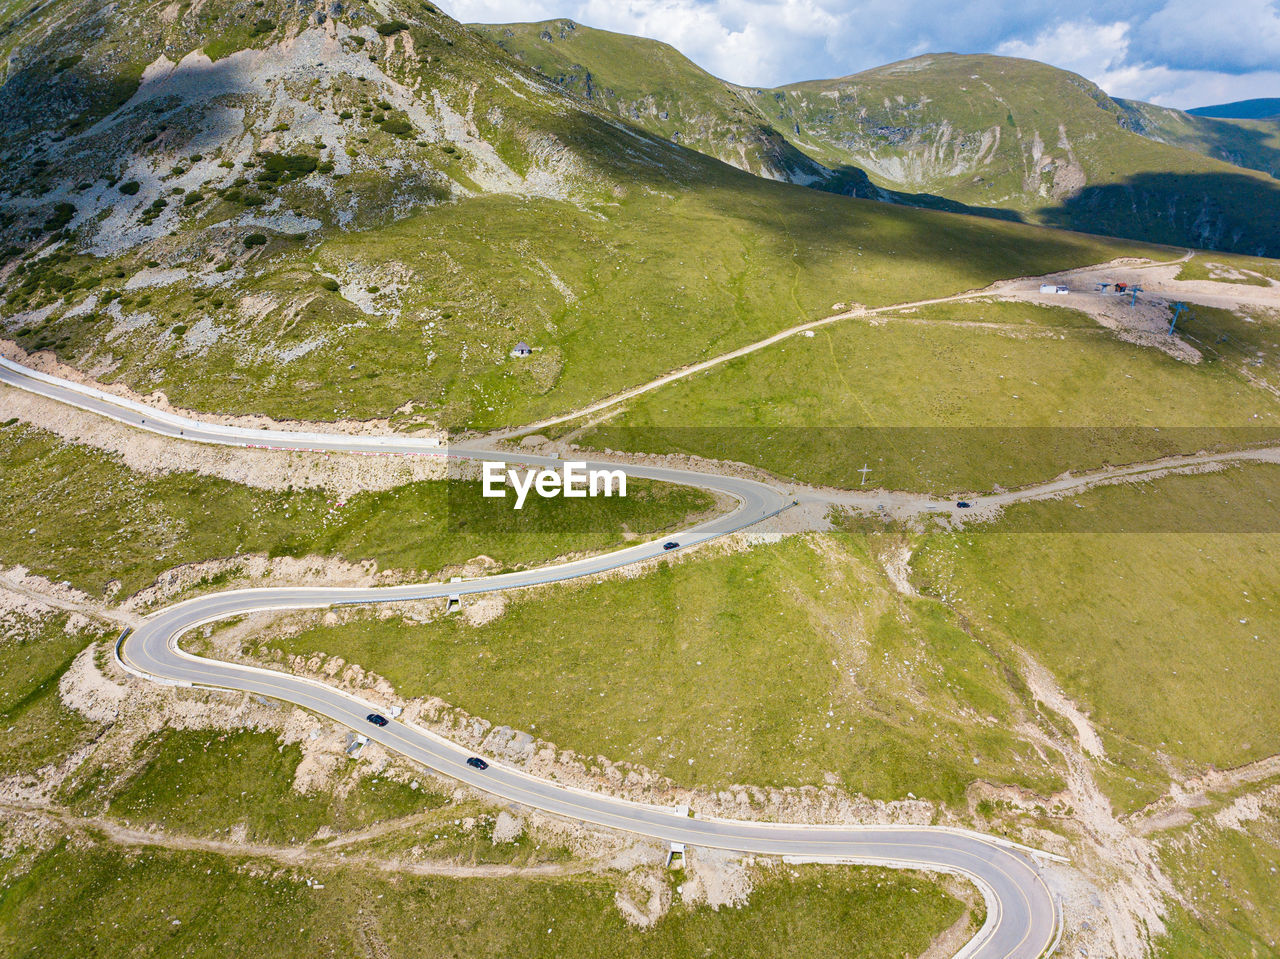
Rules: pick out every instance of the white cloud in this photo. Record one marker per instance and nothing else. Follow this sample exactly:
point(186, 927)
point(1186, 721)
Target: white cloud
point(1226, 36)
point(1088, 48)
point(744, 41)
point(1104, 54)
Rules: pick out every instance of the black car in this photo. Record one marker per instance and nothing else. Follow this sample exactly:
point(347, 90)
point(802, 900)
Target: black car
point(671, 545)
point(963, 505)
point(477, 763)
point(376, 719)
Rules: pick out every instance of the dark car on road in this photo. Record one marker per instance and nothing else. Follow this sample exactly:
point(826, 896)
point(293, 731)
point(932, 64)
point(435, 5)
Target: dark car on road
point(671, 545)
point(477, 763)
point(376, 719)
point(963, 505)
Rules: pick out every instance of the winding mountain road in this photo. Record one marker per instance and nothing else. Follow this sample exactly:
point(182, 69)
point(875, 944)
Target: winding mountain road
point(1023, 917)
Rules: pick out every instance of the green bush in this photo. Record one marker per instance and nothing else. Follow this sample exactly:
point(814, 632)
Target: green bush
point(330, 285)
point(397, 126)
point(292, 166)
point(255, 239)
point(62, 215)
point(130, 188)
point(261, 27)
point(390, 27)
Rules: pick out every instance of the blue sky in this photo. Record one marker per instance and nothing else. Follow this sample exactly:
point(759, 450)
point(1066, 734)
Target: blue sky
point(1179, 53)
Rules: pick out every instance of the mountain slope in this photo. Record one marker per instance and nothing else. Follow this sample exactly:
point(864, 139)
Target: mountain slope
point(1023, 136)
point(1260, 109)
point(357, 212)
point(1253, 144)
point(654, 85)
point(1008, 137)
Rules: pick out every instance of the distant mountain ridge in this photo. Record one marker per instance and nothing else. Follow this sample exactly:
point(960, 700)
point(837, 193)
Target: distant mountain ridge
point(999, 136)
point(1263, 108)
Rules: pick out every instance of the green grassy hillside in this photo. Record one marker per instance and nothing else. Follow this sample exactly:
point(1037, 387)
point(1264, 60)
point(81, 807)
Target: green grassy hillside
point(792, 664)
point(1032, 139)
point(1150, 602)
point(1250, 143)
point(360, 216)
point(655, 86)
point(62, 505)
point(945, 399)
point(69, 900)
point(1013, 138)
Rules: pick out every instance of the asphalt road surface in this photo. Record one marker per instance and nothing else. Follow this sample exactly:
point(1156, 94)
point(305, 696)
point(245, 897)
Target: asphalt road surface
point(1023, 918)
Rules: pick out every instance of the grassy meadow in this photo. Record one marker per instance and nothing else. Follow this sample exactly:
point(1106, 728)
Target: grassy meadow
point(34, 654)
point(789, 664)
point(75, 513)
point(610, 294)
point(932, 404)
point(90, 898)
point(1154, 606)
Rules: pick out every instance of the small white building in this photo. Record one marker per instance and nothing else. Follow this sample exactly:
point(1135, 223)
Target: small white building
point(522, 349)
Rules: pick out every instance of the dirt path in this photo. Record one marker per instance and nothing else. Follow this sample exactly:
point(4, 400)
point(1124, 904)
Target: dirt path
point(49, 594)
point(122, 835)
point(1175, 808)
point(1002, 289)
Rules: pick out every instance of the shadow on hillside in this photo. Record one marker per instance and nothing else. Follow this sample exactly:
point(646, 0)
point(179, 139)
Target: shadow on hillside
point(1233, 212)
point(1222, 139)
point(853, 181)
point(1241, 145)
point(973, 249)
